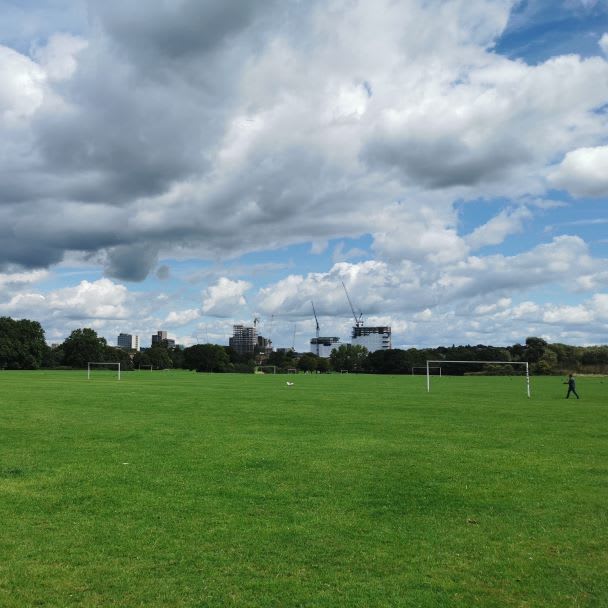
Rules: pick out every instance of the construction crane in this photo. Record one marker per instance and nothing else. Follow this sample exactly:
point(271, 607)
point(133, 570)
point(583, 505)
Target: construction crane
point(358, 320)
point(314, 312)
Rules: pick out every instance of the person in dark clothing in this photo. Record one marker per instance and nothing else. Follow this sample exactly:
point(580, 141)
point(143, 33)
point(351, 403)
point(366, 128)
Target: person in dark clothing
point(571, 386)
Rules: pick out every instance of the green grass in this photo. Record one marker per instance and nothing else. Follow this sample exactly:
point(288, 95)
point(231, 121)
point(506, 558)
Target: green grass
point(182, 489)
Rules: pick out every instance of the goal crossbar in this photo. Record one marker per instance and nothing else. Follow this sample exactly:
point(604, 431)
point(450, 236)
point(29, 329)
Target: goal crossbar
point(100, 363)
point(525, 363)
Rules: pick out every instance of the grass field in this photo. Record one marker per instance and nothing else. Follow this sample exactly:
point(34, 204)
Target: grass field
point(183, 489)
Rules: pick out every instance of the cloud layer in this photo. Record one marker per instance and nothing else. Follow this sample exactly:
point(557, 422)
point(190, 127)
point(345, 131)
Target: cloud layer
point(208, 130)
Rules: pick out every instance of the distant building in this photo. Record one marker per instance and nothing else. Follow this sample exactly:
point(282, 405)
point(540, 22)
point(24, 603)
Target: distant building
point(323, 346)
point(373, 338)
point(161, 336)
point(128, 342)
point(244, 339)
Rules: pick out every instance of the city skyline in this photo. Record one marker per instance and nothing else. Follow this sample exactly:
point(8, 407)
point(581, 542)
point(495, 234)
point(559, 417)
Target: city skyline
point(193, 166)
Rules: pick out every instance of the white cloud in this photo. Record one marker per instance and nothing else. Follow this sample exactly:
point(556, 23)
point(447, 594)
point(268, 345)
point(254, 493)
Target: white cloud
point(22, 86)
point(16, 279)
point(182, 317)
point(225, 298)
point(102, 299)
point(603, 42)
point(98, 300)
point(494, 232)
point(583, 172)
point(58, 57)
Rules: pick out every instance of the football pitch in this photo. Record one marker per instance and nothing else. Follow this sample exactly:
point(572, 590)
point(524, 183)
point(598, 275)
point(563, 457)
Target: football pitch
point(183, 489)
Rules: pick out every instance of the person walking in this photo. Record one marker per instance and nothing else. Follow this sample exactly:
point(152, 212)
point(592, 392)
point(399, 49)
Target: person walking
point(571, 386)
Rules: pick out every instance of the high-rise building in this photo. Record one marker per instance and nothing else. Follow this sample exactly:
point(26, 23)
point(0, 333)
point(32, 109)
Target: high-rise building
point(373, 338)
point(158, 337)
point(244, 339)
point(323, 346)
point(161, 336)
point(128, 341)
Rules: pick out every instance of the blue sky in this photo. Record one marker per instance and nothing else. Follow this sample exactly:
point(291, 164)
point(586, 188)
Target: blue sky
point(186, 166)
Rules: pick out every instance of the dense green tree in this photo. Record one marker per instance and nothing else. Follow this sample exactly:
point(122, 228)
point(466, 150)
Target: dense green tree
point(393, 361)
point(322, 365)
point(535, 349)
point(308, 362)
point(177, 357)
point(118, 355)
point(82, 347)
point(348, 357)
point(22, 344)
point(159, 358)
point(283, 359)
point(207, 358)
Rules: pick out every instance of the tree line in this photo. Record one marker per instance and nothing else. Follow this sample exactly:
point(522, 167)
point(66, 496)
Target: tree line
point(23, 346)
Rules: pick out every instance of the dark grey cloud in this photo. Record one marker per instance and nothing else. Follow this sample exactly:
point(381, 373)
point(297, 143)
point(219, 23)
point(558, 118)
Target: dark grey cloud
point(168, 31)
point(163, 272)
point(445, 162)
point(131, 262)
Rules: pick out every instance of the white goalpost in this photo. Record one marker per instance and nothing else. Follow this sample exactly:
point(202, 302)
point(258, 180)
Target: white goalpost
point(422, 367)
point(525, 363)
point(146, 367)
point(93, 363)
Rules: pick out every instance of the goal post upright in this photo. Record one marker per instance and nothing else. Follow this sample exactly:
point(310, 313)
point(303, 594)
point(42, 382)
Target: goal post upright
point(525, 363)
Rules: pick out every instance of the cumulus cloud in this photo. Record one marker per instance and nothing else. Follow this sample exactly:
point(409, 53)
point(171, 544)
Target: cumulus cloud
point(603, 42)
point(225, 298)
point(102, 299)
point(176, 127)
point(182, 317)
point(583, 172)
point(493, 232)
point(378, 288)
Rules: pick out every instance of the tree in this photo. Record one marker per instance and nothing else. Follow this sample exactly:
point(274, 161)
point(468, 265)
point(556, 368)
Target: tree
point(348, 357)
point(535, 349)
point(118, 355)
point(159, 357)
point(207, 358)
point(308, 362)
point(393, 361)
point(83, 346)
point(323, 365)
point(22, 344)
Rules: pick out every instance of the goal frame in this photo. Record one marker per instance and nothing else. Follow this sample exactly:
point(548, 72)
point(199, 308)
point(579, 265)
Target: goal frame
point(292, 370)
point(101, 363)
point(525, 363)
point(424, 367)
point(259, 369)
point(146, 366)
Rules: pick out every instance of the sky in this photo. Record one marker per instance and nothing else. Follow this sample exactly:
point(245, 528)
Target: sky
point(193, 164)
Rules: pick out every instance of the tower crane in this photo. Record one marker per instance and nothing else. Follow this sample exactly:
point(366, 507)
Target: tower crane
point(314, 312)
point(358, 320)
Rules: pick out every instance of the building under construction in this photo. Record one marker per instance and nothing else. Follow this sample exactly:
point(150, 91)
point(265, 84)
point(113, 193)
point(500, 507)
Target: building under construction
point(373, 338)
point(244, 339)
point(322, 346)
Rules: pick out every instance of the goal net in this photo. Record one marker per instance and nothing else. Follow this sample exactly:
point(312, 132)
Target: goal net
point(488, 363)
point(94, 365)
